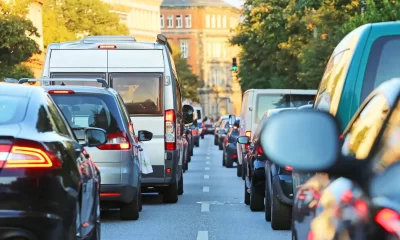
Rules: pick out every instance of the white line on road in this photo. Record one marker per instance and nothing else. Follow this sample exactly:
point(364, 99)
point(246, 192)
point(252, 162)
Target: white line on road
point(207, 162)
point(205, 207)
point(206, 189)
point(202, 235)
point(207, 169)
point(207, 157)
point(206, 177)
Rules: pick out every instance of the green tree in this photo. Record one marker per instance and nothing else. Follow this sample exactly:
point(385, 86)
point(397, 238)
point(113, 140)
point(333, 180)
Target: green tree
point(16, 43)
point(66, 20)
point(189, 81)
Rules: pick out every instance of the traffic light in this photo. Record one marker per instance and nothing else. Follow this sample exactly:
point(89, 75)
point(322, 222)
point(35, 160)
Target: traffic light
point(234, 64)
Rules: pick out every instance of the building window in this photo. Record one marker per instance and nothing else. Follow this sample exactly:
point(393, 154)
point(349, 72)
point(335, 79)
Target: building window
point(219, 21)
point(209, 49)
point(188, 21)
point(224, 21)
point(213, 21)
point(224, 47)
point(184, 46)
point(162, 21)
point(208, 25)
point(178, 21)
point(170, 21)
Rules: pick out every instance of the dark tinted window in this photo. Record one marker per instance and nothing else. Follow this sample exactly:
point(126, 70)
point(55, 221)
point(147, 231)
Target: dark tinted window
point(142, 93)
point(90, 110)
point(78, 75)
point(198, 114)
point(12, 109)
point(58, 121)
point(272, 101)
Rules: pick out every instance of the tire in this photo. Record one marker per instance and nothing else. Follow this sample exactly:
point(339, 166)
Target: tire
point(229, 162)
point(256, 201)
point(170, 193)
point(191, 151)
point(220, 146)
point(223, 159)
point(202, 136)
point(130, 211)
point(140, 200)
point(246, 195)
point(244, 171)
point(180, 185)
point(281, 213)
point(267, 209)
point(215, 140)
point(239, 170)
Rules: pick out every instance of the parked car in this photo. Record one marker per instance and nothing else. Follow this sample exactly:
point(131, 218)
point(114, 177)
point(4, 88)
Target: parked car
point(103, 108)
point(217, 128)
point(208, 129)
point(195, 134)
point(362, 199)
point(49, 183)
point(365, 58)
point(189, 139)
point(256, 102)
point(222, 132)
point(149, 87)
point(229, 155)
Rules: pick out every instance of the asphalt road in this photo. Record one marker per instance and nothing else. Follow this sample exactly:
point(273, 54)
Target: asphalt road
point(211, 208)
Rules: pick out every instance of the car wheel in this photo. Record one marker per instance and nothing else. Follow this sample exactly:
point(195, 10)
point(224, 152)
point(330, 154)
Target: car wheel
point(191, 151)
point(280, 213)
point(267, 200)
point(256, 200)
point(229, 161)
point(244, 171)
point(223, 159)
point(215, 140)
point(140, 200)
point(180, 185)
point(170, 193)
point(197, 144)
point(220, 146)
point(246, 195)
point(130, 211)
point(202, 136)
point(239, 170)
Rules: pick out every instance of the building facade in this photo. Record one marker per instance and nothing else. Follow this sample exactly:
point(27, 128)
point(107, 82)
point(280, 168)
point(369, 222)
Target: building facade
point(140, 16)
point(201, 29)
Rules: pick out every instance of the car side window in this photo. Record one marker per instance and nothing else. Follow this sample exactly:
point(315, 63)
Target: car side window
point(58, 119)
point(362, 132)
point(126, 117)
point(388, 147)
point(178, 96)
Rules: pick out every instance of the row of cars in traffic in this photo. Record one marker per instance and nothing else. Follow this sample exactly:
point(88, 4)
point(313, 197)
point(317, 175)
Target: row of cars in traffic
point(329, 169)
point(79, 142)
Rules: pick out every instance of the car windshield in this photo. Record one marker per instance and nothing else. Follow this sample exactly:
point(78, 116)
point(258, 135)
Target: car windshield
point(12, 109)
point(90, 110)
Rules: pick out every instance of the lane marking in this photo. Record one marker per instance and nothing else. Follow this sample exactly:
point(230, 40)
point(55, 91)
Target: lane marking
point(202, 235)
point(207, 162)
point(207, 169)
point(206, 177)
point(207, 157)
point(206, 189)
point(205, 207)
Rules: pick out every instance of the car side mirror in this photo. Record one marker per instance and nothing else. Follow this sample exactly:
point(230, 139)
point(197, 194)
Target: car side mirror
point(188, 111)
point(243, 140)
point(145, 135)
point(304, 140)
point(95, 137)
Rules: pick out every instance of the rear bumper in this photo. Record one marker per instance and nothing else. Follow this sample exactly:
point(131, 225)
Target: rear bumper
point(118, 193)
point(159, 177)
point(283, 187)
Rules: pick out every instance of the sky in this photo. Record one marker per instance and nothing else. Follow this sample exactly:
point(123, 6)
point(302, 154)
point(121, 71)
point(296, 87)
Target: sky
point(237, 3)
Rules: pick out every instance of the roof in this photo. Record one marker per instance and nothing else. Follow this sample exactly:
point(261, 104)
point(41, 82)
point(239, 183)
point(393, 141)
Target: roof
point(195, 3)
point(79, 89)
point(17, 90)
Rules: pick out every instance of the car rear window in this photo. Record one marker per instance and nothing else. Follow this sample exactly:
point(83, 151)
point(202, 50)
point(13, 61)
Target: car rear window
point(273, 101)
point(12, 109)
point(78, 75)
point(90, 110)
point(142, 93)
point(383, 63)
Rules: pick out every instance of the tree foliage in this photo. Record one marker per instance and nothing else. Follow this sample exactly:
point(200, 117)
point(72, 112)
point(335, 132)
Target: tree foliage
point(189, 81)
point(16, 43)
point(66, 20)
point(286, 43)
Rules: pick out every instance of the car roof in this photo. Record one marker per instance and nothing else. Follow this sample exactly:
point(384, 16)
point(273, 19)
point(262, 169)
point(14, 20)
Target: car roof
point(18, 90)
point(82, 89)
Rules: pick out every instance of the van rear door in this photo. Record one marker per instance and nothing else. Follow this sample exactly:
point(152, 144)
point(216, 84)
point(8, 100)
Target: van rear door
point(137, 75)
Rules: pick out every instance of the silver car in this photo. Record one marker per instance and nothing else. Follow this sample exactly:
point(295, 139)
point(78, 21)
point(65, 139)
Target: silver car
point(118, 159)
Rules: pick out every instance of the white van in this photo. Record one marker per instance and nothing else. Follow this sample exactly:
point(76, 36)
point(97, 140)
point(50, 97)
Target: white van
point(256, 102)
point(144, 74)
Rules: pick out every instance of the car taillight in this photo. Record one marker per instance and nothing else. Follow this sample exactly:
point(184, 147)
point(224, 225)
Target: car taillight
point(195, 132)
point(248, 134)
point(259, 150)
point(170, 129)
point(116, 141)
point(234, 155)
point(388, 219)
point(61, 92)
point(288, 168)
point(27, 154)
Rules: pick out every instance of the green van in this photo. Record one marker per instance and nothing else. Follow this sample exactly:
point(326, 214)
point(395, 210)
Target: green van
point(366, 57)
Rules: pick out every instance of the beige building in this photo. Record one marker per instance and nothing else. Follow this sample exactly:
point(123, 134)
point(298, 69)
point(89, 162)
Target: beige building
point(140, 16)
point(201, 29)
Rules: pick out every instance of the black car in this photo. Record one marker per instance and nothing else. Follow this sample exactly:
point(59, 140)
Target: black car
point(229, 155)
point(49, 185)
point(355, 193)
point(208, 129)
